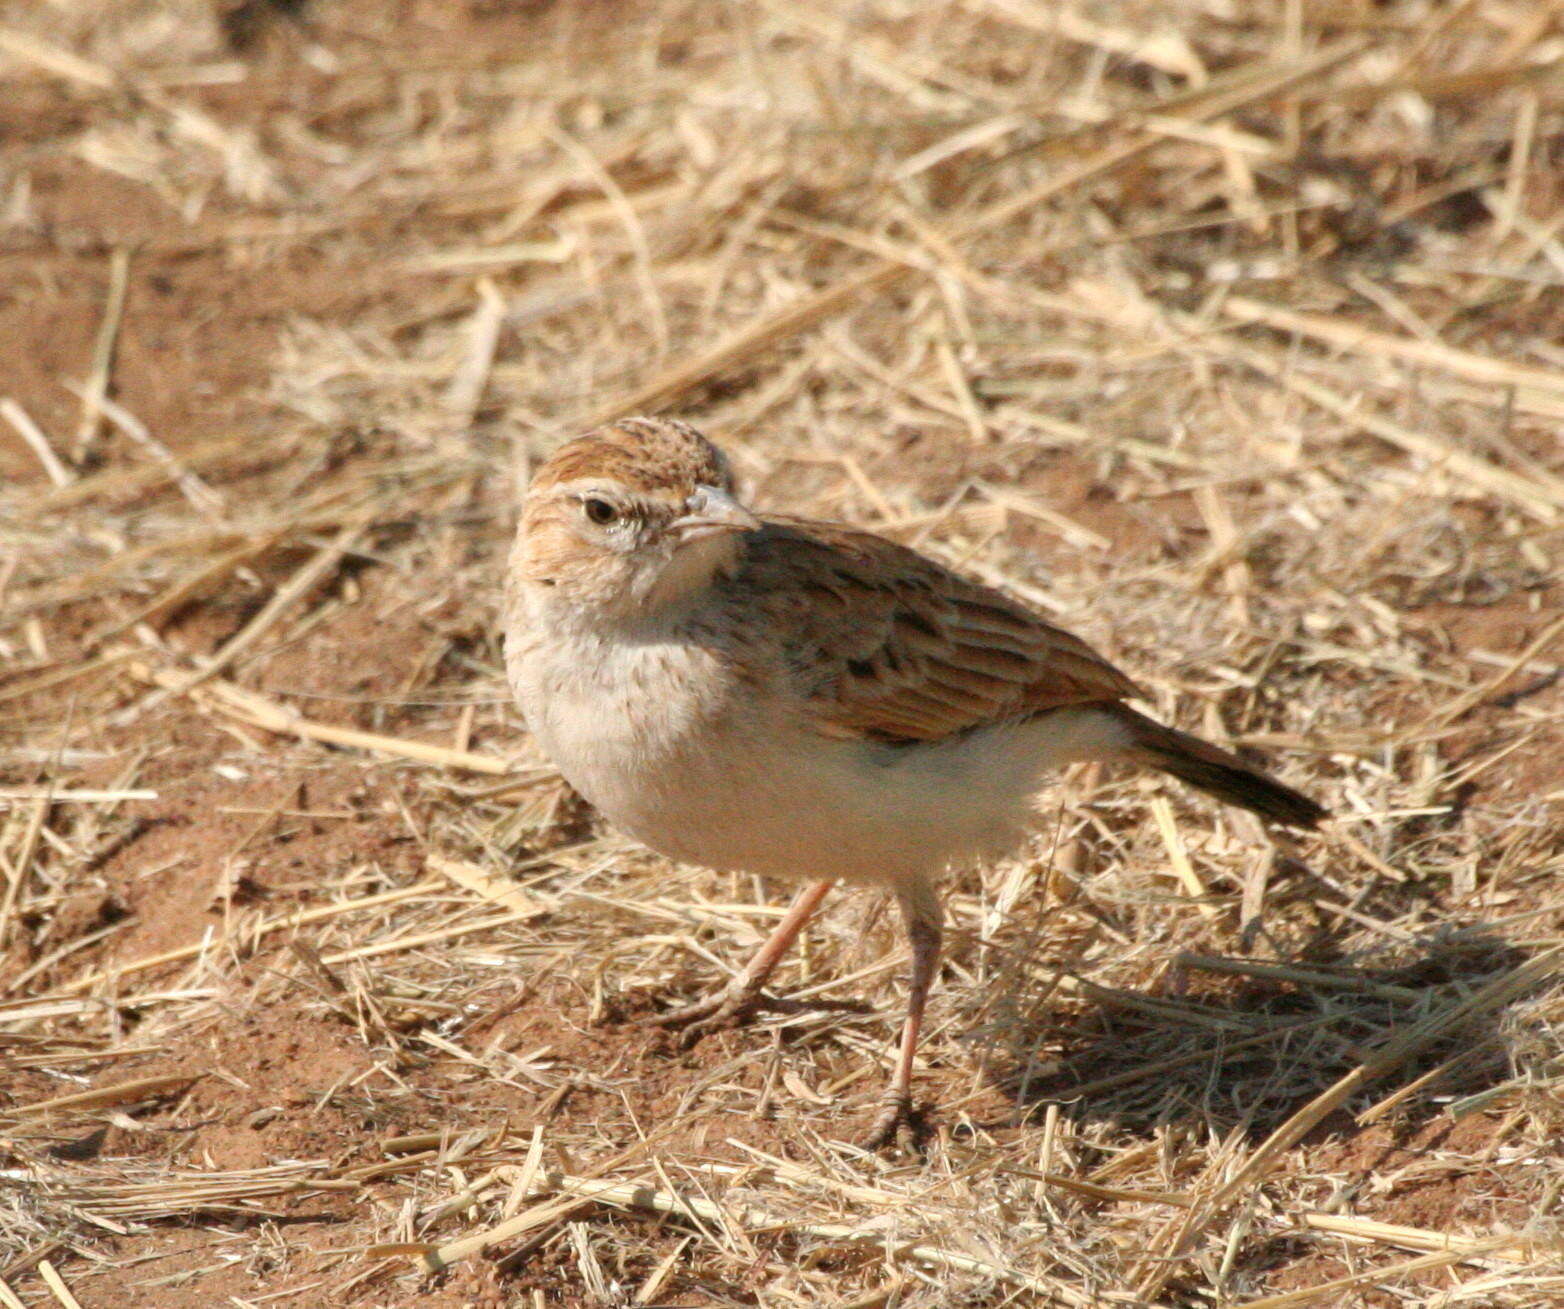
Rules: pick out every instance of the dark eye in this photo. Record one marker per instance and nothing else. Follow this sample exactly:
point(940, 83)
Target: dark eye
point(599, 511)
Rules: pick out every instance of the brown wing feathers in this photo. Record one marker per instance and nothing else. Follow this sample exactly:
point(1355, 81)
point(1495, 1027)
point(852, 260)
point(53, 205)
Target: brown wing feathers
point(908, 651)
point(911, 651)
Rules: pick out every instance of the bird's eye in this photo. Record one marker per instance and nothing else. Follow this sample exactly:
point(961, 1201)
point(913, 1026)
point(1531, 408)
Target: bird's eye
point(599, 511)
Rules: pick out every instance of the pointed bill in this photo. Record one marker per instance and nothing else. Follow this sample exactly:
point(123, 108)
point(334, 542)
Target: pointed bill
point(709, 511)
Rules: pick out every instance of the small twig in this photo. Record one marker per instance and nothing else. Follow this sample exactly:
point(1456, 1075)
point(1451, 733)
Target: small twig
point(67, 795)
point(1312, 977)
point(202, 497)
point(21, 866)
point(120, 1093)
point(480, 882)
point(53, 59)
point(96, 391)
point(37, 442)
point(1520, 1248)
point(1407, 350)
point(1332, 1290)
point(465, 392)
point(56, 1284)
point(1178, 857)
point(260, 711)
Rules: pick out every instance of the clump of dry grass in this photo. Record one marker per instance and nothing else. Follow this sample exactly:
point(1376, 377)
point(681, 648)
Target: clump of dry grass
point(1231, 340)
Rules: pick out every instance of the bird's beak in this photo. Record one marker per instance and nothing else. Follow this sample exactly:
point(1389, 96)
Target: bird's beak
point(709, 511)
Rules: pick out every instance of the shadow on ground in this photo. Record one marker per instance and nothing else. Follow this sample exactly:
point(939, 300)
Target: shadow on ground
point(1214, 1043)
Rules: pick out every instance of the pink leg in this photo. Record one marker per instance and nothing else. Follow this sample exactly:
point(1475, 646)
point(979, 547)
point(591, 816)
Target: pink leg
point(921, 911)
point(737, 1001)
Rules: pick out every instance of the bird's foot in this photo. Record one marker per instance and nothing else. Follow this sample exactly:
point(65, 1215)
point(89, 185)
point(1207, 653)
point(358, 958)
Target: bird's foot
point(730, 1007)
point(897, 1113)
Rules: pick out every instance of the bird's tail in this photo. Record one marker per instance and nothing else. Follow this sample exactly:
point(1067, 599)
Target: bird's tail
point(1214, 770)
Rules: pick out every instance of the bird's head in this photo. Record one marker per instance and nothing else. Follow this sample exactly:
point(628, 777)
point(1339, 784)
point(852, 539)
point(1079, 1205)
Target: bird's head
point(632, 519)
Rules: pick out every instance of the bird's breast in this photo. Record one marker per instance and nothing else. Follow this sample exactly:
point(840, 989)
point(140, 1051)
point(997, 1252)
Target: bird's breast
point(629, 725)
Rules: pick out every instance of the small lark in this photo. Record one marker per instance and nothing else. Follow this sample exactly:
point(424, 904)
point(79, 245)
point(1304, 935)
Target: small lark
point(802, 699)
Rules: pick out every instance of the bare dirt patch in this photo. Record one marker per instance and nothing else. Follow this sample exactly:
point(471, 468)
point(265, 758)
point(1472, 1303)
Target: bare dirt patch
point(1232, 344)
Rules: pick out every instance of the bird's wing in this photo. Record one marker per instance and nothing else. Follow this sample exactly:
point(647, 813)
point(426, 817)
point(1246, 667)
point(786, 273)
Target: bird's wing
point(885, 644)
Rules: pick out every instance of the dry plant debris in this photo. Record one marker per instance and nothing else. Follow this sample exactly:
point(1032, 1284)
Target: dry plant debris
point(1230, 334)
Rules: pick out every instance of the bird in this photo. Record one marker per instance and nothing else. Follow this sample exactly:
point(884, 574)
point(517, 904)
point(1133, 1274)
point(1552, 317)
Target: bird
point(803, 699)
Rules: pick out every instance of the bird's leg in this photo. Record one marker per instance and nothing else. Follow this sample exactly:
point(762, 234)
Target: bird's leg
point(921, 911)
point(739, 999)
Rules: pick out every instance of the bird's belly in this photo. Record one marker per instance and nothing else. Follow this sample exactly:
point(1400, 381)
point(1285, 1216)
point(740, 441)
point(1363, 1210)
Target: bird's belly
point(800, 806)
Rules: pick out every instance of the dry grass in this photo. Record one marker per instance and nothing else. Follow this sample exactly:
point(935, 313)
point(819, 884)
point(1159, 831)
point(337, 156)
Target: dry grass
point(1229, 335)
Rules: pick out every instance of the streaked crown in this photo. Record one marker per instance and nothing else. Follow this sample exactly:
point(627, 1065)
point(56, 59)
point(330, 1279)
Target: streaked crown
point(650, 456)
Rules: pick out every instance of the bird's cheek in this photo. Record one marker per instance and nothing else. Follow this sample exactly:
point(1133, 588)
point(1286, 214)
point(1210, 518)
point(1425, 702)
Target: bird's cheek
point(656, 567)
point(671, 576)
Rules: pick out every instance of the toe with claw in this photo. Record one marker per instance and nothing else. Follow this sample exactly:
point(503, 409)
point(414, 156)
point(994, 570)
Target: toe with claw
point(723, 1009)
point(898, 1112)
